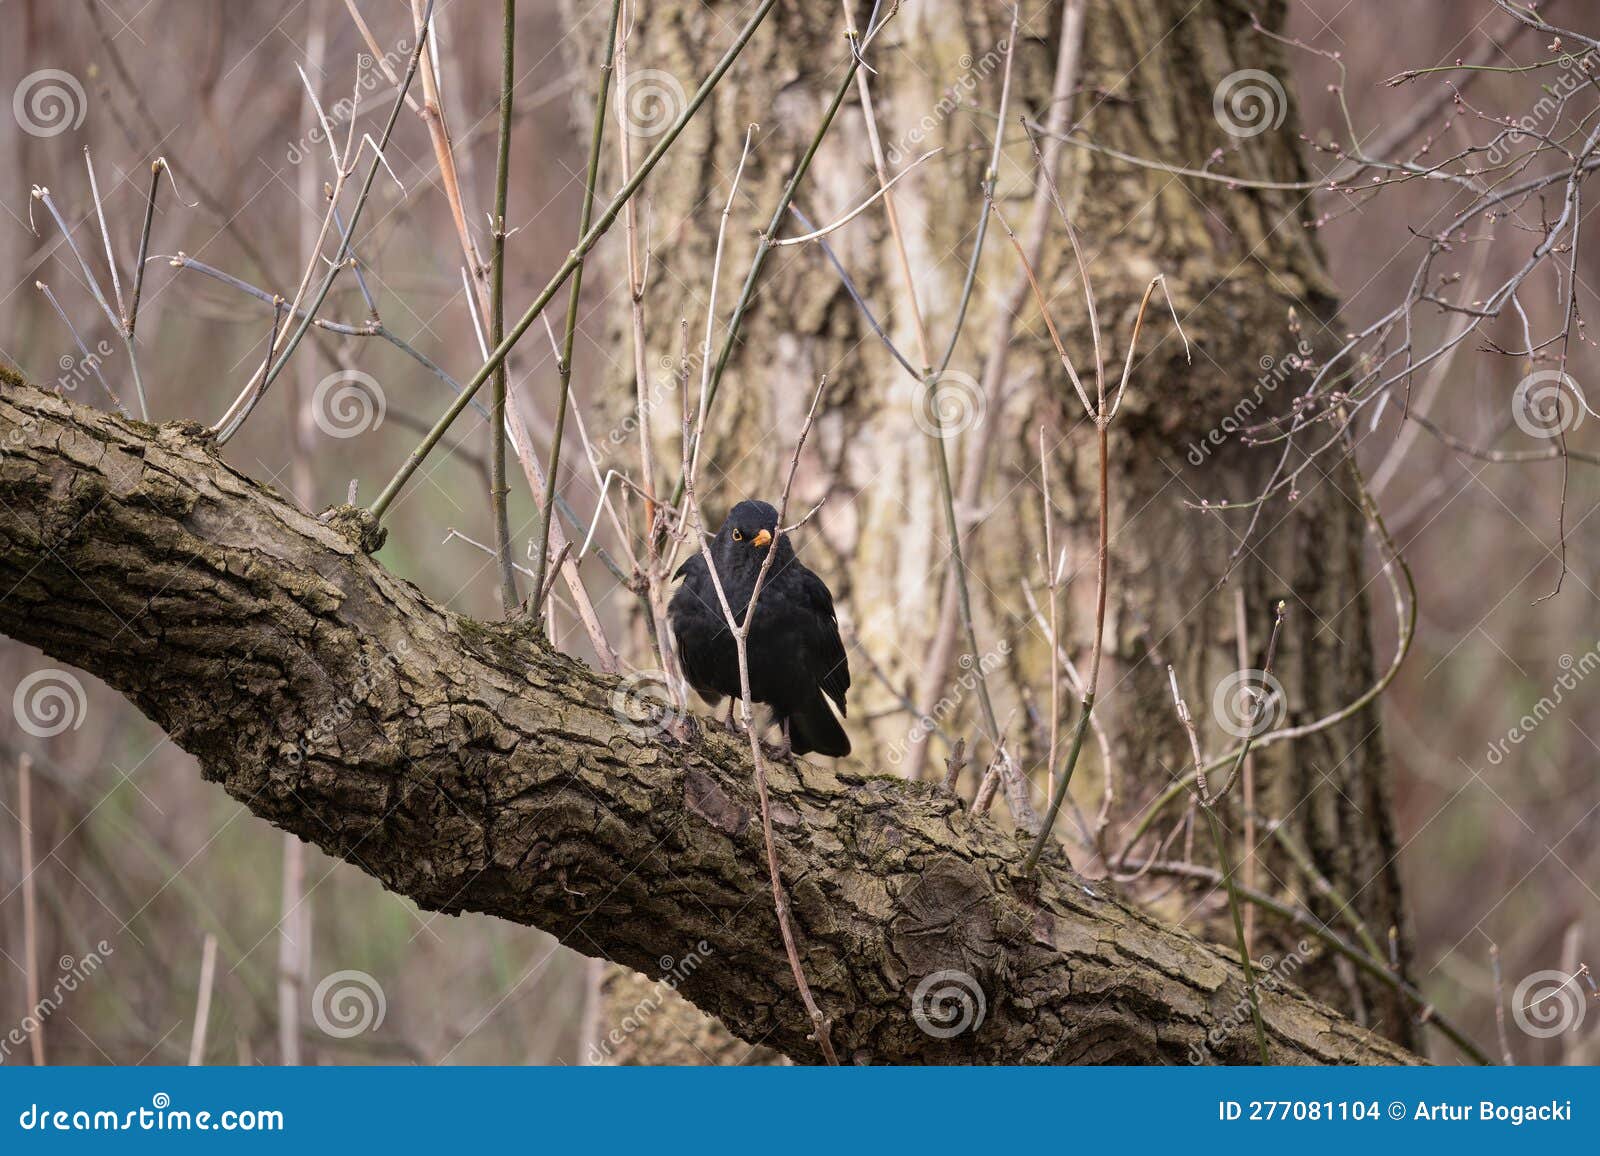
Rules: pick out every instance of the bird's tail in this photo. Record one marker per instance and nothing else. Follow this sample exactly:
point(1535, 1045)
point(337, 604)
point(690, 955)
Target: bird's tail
point(813, 727)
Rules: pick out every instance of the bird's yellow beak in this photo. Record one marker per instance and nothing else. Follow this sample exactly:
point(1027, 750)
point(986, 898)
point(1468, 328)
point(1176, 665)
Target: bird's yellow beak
point(762, 538)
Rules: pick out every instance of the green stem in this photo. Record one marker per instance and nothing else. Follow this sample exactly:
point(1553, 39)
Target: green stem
point(498, 489)
point(1346, 911)
point(1043, 837)
point(564, 367)
point(1225, 861)
point(587, 242)
point(1372, 965)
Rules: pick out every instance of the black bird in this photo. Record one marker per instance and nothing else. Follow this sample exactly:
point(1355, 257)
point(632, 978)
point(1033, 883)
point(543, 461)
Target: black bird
point(794, 650)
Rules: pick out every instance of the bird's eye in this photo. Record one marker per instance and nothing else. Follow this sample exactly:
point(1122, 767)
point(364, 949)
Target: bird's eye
point(737, 536)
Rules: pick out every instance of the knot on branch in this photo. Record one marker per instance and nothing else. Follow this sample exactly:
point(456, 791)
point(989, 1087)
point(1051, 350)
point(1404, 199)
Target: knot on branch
point(176, 431)
point(358, 525)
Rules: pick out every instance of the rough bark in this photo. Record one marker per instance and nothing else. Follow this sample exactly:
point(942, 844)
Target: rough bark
point(648, 1022)
point(1237, 261)
point(471, 768)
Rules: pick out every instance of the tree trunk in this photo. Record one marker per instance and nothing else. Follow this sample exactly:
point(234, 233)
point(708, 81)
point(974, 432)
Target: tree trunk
point(468, 766)
point(1239, 265)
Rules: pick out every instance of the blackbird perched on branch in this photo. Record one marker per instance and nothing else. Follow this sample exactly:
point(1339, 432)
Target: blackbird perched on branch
point(793, 650)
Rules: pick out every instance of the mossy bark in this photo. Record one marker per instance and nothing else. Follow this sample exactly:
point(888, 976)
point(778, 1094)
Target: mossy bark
point(468, 766)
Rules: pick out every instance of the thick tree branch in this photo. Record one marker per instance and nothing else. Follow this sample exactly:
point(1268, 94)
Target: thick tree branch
point(471, 768)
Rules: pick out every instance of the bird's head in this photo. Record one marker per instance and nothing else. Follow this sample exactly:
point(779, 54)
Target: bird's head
point(748, 531)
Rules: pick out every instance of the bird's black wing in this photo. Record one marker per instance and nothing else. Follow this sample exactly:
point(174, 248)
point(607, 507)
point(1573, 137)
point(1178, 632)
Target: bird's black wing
point(832, 665)
point(698, 632)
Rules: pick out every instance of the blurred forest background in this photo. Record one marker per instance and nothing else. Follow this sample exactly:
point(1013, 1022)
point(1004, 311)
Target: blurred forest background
point(134, 850)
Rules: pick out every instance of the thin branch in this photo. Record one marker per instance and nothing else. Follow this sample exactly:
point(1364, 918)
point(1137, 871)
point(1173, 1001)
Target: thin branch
point(574, 259)
point(818, 234)
point(740, 628)
point(30, 906)
point(202, 1001)
point(552, 470)
point(499, 491)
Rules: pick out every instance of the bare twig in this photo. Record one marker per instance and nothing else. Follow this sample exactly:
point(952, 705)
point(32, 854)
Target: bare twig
point(30, 906)
point(130, 322)
point(1224, 862)
point(202, 1001)
point(739, 623)
point(1309, 923)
